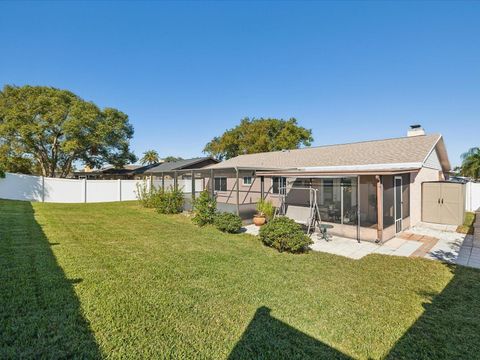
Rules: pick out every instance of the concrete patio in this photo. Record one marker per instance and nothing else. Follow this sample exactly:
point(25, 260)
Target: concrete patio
point(430, 241)
point(451, 247)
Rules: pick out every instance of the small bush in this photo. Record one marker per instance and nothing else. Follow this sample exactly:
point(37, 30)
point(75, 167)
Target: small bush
point(204, 209)
point(265, 208)
point(228, 222)
point(168, 201)
point(284, 234)
point(147, 195)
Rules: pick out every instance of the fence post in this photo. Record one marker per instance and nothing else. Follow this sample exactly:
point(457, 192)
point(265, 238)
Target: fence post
point(84, 190)
point(119, 190)
point(43, 188)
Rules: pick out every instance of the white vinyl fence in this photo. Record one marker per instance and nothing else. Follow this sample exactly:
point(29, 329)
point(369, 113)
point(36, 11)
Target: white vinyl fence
point(472, 192)
point(39, 188)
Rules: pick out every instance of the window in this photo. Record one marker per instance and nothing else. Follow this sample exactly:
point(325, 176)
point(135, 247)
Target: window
point(220, 184)
point(247, 180)
point(278, 183)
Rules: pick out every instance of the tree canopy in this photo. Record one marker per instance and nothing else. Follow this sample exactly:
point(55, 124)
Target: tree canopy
point(259, 135)
point(471, 163)
point(14, 161)
point(54, 128)
point(150, 157)
point(172, 158)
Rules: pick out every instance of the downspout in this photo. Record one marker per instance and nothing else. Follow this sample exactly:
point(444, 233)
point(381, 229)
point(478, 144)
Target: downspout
point(193, 185)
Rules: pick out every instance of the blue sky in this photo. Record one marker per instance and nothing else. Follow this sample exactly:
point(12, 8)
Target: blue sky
point(185, 72)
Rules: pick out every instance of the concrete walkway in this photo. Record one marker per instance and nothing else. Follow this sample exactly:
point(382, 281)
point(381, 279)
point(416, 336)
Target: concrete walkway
point(451, 247)
point(431, 241)
point(355, 250)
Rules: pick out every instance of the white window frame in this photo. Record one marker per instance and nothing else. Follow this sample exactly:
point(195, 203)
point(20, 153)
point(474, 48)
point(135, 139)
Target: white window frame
point(282, 182)
point(247, 183)
point(220, 179)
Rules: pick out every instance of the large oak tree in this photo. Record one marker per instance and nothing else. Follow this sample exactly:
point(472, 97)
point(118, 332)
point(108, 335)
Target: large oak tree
point(259, 135)
point(55, 128)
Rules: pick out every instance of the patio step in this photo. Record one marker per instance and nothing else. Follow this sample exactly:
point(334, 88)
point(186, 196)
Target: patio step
point(428, 242)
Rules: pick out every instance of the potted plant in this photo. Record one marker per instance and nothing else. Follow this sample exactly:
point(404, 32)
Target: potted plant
point(264, 213)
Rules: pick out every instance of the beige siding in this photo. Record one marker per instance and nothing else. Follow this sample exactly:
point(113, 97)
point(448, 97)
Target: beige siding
point(432, 161)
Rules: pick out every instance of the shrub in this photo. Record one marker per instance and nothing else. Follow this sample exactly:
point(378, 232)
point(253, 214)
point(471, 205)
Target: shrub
point(265, 208)
point(284, 234)
point(204, 208)
point(168, 201)
point(147, 196)
point(228, 222)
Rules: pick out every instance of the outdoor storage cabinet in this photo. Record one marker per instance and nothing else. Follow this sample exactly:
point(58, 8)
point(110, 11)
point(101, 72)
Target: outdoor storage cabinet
point(443, 203)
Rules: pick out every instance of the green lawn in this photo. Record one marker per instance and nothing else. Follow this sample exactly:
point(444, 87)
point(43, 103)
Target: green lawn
point(468, 224)
point(118, 281)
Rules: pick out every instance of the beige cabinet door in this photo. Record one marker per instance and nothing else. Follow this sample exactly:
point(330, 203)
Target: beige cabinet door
point(431, 198)
point(451, 204)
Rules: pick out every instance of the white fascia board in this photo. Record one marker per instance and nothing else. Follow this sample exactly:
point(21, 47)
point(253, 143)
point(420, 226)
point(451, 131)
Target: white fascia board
point(368, 167)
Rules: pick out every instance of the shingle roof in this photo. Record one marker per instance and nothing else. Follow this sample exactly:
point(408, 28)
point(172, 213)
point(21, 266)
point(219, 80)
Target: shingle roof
point(399, 150)
point(176, 165)
point(129, 169)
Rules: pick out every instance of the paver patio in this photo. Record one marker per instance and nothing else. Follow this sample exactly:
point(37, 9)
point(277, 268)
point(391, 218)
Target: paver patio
point(431, 241)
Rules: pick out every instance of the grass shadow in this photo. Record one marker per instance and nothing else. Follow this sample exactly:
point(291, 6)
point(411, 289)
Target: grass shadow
point(40, 314)
point(268, 338)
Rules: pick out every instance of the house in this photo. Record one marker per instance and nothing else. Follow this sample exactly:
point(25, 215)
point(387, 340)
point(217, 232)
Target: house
point(367, 190)
point(128, 172)
point(168, 170)
point(180, 168)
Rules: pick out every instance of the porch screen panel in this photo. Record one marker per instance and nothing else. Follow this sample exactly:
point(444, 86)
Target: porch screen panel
point(329, 202)
point(406, 195)
point(297, 192)
point(368, 208)
point(388, 201)
point(349, 199)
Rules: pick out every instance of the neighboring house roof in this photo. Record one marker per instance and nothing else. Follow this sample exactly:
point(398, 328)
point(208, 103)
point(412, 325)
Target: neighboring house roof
point(180, 165)
point(130, 169)
point(399, 153)
point(126, 167)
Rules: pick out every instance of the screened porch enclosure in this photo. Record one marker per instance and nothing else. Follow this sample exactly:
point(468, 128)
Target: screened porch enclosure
point(339, 202)
point(349, 204)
